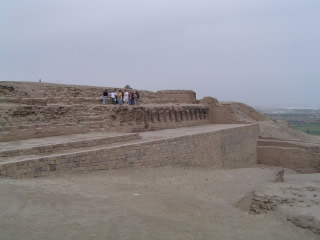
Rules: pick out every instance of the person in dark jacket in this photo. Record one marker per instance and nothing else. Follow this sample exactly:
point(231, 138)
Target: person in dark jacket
point(105, 97)
point(131, 98)
point(137, 97)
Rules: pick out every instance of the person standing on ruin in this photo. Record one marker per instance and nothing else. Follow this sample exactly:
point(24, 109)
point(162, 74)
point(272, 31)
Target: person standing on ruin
point(137, 97)
point(113, 96)
point(131, 98)
point(116, 96)
point(105, 97)
point(126, 97)
point(120, 96)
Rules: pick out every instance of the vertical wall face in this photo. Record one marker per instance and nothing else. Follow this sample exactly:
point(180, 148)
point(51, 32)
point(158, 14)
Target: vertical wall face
point(161, 117)
point(175, 96)
point(231, 147)
point(41, 121)
point(231, 112)
point(300, 158)
point(219, 113)
point(239, 149)
point(222, 115)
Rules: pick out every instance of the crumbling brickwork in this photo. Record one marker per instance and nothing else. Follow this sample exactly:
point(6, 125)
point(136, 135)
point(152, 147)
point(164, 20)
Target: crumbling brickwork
point(26, 122)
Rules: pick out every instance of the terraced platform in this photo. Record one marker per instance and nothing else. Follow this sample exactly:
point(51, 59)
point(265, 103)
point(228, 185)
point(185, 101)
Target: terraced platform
point(232, 145)
point(19, 150)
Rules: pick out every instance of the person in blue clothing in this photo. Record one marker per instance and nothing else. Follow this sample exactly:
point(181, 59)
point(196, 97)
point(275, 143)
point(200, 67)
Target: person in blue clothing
point(105, 97)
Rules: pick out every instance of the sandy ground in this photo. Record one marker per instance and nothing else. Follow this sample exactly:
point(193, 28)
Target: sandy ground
point(144, 203)
point(297, 200)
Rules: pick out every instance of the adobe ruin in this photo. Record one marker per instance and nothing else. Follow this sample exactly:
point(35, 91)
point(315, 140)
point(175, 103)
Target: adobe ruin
point(224, 156)
point(223, 132)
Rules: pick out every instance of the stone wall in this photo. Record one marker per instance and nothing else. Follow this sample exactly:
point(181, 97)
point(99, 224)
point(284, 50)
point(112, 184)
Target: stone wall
point(227, 148)
point(302, 157)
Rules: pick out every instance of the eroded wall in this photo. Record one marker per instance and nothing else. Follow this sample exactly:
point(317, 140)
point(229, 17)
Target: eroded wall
point(227, 148)
point(25, 122)
point(46, 93)
point(175, 96)
point(231, 112)
point(302, 157)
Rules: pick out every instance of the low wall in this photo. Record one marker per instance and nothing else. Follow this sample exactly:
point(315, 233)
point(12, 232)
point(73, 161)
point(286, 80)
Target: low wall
point(301, 158)
point(227, 148)
point(175, 96)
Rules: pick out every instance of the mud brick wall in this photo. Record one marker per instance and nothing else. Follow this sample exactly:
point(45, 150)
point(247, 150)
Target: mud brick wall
point(178, 96)
point(27, 122)
point(49, 149)
point(300, 158)
point(46, 93)
point(228, 148)
point(63, 92)
point(141, 119)
point(55, 114)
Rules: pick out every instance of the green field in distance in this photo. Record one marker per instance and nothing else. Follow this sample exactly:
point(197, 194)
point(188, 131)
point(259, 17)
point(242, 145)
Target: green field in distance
point(306, 120)
point(310, 128)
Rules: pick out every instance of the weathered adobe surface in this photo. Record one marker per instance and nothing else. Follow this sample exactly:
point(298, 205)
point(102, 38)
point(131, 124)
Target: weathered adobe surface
point(37, 104)
point(24, 115)
point(295, 199)
point(176, 96)
point(42, 121)
point(232, 112)
point(14, 96)
point(60, 99)
point(32, 106)
point(50, 93)
point(51, 90)
point(302, 157)
point(228, 146)
point(280, 145)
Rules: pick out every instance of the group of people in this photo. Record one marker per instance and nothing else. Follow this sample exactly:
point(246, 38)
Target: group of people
point(121, 97)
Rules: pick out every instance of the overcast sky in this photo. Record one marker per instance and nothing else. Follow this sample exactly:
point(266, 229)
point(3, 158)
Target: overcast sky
point(260, 52)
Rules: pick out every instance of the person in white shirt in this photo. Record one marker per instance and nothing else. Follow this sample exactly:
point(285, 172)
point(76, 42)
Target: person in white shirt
point(126, 97)
point(113, 96)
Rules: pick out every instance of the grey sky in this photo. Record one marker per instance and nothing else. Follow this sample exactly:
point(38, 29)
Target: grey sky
point(260, 52)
